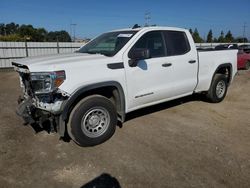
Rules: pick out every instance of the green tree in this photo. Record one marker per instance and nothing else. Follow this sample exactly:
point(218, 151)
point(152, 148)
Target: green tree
point(196, 36)
point(14, 32)
point(33, 34)
point(11, 28)
point(40, 35)
point(229, 37)
point(241, 40)
point(191, 31)
point(221, 38)
point(61, 36)
point(2, 29)
point(26, 31)
point(12, 37)
point(210, 36)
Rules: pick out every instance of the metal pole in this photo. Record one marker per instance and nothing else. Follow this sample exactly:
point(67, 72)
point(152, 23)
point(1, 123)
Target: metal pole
point(244, 31)
point(26, 49)
point(74, 32)
point(57, 45)
point(147, 18)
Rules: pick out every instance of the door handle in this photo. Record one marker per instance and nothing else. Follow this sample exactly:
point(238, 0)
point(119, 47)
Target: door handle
point(166, 64)
point(192, 61)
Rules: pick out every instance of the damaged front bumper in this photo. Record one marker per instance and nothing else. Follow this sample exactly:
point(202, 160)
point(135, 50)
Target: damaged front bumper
point(42, 114)
point(27, 107)
point(41, 108)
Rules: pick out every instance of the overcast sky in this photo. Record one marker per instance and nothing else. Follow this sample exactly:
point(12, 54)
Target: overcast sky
point(94, 17)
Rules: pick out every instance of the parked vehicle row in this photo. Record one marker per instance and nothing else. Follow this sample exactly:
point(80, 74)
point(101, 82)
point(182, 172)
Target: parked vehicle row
point(243, 57)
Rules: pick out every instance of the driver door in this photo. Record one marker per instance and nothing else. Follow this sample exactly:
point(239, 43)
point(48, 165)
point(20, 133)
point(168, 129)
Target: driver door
point(147, 81)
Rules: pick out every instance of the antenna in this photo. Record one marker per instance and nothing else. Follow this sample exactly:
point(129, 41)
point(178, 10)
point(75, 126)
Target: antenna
point(74, 30)
point(147, 18)
point(244, 32)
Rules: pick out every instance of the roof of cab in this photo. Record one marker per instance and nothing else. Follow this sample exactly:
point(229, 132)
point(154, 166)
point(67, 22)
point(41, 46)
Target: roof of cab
point(152, 28)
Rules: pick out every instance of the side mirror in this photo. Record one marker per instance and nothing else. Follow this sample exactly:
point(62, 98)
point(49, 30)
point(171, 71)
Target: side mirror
point(138, 54)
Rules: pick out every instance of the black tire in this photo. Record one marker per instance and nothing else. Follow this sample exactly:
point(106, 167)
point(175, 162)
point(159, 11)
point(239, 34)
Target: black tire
point(92, 121)
point(247, 65)
point(218, 88)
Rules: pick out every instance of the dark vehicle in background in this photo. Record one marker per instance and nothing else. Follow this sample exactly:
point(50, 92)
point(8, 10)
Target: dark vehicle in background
point(243, 57)
point(245, 47)
point(226, 46)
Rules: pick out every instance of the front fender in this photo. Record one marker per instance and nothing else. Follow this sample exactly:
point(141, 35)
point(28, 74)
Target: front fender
point(69, 104)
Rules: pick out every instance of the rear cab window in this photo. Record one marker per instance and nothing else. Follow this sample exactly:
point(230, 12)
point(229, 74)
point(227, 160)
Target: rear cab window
point(176, 43)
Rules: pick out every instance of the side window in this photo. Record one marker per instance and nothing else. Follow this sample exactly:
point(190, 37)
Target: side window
point(176, 43)
point(153, 42)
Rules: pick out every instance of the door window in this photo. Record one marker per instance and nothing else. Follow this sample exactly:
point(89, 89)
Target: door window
point(152, 41)
point(176, 43)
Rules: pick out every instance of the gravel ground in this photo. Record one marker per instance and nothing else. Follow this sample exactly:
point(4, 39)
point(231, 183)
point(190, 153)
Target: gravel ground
point(184, 143)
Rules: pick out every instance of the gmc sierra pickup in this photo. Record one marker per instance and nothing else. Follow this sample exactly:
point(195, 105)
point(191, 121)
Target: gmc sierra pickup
point(85, 93)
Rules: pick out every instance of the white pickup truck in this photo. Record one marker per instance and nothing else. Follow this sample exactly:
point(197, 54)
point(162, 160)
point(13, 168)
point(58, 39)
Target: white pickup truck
point(85, 93)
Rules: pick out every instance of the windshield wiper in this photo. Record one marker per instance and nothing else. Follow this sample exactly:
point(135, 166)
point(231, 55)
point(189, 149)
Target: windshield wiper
point(89, 52)
point(102, 53)
point(97, 52)
point(106, 53)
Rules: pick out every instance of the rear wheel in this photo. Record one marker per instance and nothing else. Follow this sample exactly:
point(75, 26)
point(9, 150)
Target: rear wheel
point(92, 121)
point(218, 88)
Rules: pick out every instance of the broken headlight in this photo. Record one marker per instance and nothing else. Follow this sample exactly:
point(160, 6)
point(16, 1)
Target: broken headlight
point(46, 82)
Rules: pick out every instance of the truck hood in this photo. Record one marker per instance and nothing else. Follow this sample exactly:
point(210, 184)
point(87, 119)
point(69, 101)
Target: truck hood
point(53, 62)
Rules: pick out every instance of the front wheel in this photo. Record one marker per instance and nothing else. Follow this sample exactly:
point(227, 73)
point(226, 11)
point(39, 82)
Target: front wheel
point(218, 88)
point(92, 121)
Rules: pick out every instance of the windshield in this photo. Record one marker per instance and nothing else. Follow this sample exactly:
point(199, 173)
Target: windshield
point(108, 43)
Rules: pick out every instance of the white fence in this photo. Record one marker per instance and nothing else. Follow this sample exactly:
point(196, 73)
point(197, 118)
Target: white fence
point(10, 51)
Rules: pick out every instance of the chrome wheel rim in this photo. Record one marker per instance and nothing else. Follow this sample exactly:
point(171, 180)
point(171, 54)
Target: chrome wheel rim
point(95, 122)
point(220, 89)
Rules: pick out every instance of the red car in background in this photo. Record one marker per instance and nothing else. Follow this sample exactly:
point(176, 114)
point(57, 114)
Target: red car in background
point(244, 57)
point(243, 61)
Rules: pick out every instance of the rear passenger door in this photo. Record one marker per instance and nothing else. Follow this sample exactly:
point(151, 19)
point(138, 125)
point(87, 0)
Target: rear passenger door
point(184, 63)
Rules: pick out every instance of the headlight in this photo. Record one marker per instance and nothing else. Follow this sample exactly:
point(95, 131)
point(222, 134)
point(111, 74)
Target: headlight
point(46, 82)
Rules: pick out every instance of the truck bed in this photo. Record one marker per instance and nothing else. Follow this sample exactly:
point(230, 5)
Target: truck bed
point(209, 60)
